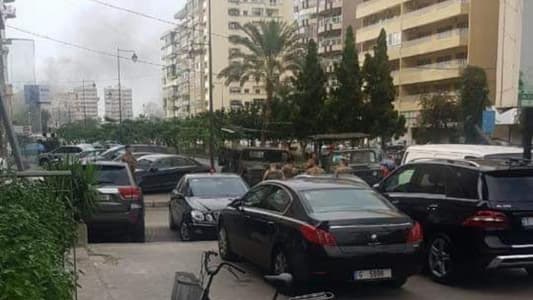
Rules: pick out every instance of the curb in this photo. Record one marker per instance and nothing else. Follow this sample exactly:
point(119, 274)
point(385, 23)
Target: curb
point(158, 204)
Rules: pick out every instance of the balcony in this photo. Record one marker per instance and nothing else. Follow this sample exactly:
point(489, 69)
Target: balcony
point(329, 27)
point(393, 52)
point(436, 42)
point(326, 7)
point(434, 13)
point(371, 32)
point(433, 72)
point(374, 6)
point(333, 49)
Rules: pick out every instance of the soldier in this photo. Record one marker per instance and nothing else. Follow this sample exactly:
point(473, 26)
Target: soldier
point(313, 169)
point(289, 169)
point(273, 173)
point(343, 167)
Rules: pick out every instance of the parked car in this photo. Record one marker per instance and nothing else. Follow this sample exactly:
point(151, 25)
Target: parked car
point(120, 205)
point(252, 162)
point(324, 230)
point(363, 162)
point(137, 155)
point(459, 151)
point(65, 151)
point(197, 200)
point(90, 156)
point(161, 172)
point(476, 215)
point(117, 151)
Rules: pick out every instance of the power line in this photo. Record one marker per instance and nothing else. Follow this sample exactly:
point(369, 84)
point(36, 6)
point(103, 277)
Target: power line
point(144, 15)
point(73, 45)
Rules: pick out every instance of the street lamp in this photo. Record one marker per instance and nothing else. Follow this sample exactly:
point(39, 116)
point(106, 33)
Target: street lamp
point(134, 58)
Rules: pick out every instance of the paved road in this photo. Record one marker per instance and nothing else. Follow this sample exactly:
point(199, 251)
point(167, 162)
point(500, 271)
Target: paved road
point(145, 271)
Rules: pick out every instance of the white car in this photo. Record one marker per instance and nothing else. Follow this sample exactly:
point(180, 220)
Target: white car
point(459, 151)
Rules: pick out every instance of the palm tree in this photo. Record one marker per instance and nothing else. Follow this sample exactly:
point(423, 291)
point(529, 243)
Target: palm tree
point(270, 50)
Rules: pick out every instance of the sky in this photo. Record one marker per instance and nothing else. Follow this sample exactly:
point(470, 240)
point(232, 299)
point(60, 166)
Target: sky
point(92, 25)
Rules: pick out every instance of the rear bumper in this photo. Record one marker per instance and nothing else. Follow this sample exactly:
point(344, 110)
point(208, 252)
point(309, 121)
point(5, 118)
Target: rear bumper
point(343, 268)
point(125, 219)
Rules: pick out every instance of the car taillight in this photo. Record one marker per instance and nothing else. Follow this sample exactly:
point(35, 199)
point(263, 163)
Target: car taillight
point(317, 236)
point(130, 192)
point(487, 219)
point(415, 234)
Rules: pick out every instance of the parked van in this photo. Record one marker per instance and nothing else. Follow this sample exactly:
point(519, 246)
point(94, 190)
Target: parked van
point(460, 151)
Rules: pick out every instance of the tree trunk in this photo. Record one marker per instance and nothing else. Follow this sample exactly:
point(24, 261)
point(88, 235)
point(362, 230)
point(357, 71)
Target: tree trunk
point(267, 111)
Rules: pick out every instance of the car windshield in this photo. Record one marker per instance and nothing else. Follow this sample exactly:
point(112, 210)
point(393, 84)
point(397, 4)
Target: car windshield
point(217, 187)
point(112, 175)
point(111, 152)
point(510, 188)
point(265, 155)
point(357, 157)
point(343, 200)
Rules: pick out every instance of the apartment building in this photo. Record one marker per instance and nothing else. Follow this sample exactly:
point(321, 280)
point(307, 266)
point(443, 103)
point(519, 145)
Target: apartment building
point(118, 106)
point(326, 21)
point(186, 60)
point(431, 41)
point(86, 102)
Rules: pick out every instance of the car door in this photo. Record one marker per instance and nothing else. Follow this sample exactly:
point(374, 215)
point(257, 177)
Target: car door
point(161, 173)
point(263, 223)
point(235, 219)
point(416, 190)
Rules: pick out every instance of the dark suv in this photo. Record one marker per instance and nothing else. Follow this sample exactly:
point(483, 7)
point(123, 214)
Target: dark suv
point(476, 215)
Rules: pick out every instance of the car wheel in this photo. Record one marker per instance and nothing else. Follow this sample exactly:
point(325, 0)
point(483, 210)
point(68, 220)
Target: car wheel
point(186, 233)
point(224, 247)
point(171, 224)
point(139, 234)
point(440, 263)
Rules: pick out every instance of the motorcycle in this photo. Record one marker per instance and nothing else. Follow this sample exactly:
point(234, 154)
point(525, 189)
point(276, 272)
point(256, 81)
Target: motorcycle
point(189, 287)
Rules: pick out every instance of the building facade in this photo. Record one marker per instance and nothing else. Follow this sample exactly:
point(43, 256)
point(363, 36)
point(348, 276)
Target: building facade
point(431, 42)
point(86, 103)
point(118, 106)
point(186, 85)
point(63, 108)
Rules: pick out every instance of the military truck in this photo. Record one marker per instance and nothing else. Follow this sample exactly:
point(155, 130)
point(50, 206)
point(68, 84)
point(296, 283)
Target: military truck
point(251, 162)
point(363, 161)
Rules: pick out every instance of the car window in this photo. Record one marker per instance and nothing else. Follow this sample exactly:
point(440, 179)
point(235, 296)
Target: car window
point(399, 181)
point(144, 164)
point(181, 162)
point(112, 175)
point(278, 200)
point(60, 150)
point(509, 186)
point(163, 163)
point(74, 150)
point(462, 183)
point(428, 179)
point(217, 187)
point(255, 197)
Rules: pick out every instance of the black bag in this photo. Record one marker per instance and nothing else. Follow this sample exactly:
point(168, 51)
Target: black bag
point(186, 287)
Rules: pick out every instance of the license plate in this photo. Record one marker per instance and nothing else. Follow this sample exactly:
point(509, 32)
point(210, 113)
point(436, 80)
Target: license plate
point(104, 198)
point(527, 221)
point(372, 274)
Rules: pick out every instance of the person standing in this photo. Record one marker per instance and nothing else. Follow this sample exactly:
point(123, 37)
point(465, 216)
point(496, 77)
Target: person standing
point(129, 159)
point(313, 169)
point(343, 167)
point(273, 173)
point(289, 169)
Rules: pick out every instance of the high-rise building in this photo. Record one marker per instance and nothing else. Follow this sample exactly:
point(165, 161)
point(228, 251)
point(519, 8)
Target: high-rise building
point(326, 21)
point(430, 42)
point(118, 106)
point(86, 104)
point(186, 85)
point(63, 108)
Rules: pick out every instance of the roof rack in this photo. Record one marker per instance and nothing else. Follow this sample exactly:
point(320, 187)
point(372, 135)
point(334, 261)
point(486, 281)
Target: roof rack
point(463, 162)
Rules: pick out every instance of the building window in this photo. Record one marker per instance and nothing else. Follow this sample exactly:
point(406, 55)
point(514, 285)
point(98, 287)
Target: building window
point(235, 90)
point(394, 39)
point(257, 12)
point(244, 12)
point(247, 91)
point(233, 12)
point(233, 25)
point(257, 91)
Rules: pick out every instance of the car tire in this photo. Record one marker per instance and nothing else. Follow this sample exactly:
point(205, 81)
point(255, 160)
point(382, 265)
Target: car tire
point(171, 224)
point(139, 233)
point(224, 247)
point(440, 260)
point(186, 234)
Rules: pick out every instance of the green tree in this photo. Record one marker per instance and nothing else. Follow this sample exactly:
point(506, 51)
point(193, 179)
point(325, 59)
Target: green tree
point(270, 50)
point(473, 100)
point(439, 116)
point(346, 104)
point(309, 96)
point(380, 116)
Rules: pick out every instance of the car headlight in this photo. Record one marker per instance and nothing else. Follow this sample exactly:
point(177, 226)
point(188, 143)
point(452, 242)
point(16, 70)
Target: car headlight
point(209, 218)
point(197, 216)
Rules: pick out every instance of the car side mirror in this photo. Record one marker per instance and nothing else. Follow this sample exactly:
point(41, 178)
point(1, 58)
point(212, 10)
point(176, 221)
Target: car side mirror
point(177, 194)
point(236, 203)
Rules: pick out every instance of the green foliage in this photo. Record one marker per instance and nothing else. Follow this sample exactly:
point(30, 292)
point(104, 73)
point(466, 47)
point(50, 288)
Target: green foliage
point(309, 96)
point(473, 100)
point(381, 119)
point(346, 105)
point(36, 230)
point(270, 50)
point(439, 118)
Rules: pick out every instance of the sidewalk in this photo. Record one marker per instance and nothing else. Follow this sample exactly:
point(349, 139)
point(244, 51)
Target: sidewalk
point(156, 200)
point(91, 285)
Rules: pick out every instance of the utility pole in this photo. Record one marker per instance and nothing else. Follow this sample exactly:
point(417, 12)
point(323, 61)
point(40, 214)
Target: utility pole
point(134, 59)
point(84, 103)
point(211, 86)
point(4, 115)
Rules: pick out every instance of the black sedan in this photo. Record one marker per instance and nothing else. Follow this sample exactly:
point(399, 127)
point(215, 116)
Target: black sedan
point(321, 230)
point(161, 172)
point(197, 200)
